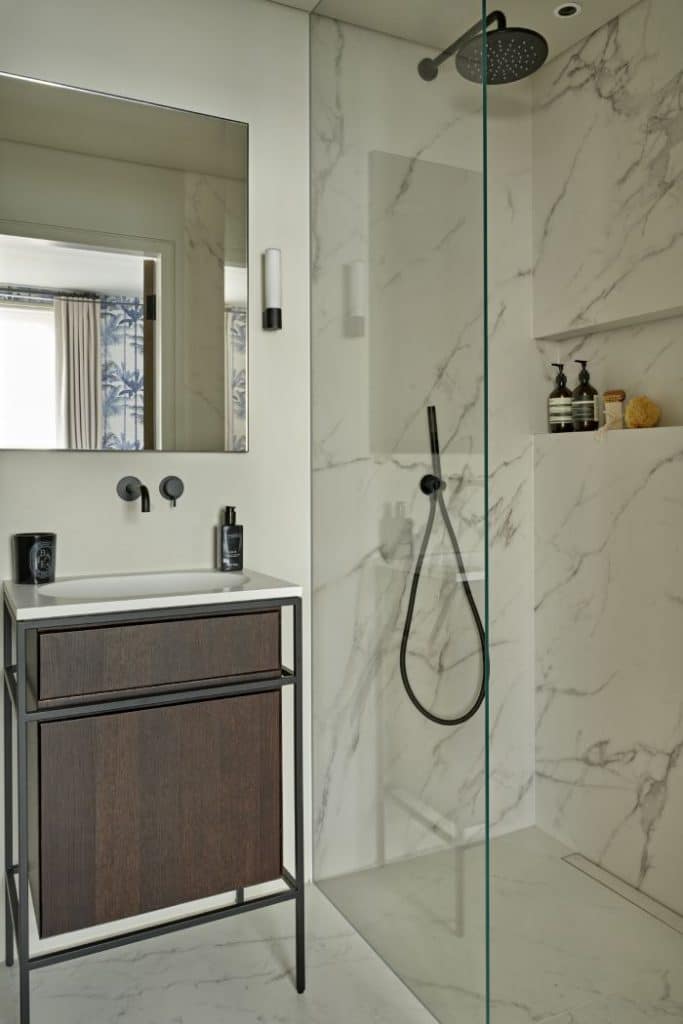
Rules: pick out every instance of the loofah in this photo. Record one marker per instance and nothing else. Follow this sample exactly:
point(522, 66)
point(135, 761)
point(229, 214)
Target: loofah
point(642, 412)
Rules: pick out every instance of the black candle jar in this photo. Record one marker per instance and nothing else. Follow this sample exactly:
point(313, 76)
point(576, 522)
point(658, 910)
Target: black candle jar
point(35, 555)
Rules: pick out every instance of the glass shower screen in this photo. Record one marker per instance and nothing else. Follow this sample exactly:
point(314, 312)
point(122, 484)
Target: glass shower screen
point(399, 547)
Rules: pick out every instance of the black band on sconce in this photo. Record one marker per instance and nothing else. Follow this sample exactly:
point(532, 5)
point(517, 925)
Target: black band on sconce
point(272, 319)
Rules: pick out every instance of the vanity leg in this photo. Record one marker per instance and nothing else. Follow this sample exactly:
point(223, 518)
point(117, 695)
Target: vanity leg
point(22, 758)
point(239, 895)
point(9, 788)
point(9, 837)
point(300, 942)
point(299, 801)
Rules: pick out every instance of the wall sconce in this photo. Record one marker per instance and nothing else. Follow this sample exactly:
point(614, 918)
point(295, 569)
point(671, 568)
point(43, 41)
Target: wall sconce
point(356, 298)
point(272, 290)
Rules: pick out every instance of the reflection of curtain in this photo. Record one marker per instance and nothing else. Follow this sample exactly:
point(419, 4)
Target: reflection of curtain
point(236, 379)
point(79, 406)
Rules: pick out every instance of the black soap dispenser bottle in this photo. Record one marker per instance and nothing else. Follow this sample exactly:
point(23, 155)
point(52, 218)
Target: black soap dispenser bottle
point(230, 542)
point(560, 404)
point(584, 401)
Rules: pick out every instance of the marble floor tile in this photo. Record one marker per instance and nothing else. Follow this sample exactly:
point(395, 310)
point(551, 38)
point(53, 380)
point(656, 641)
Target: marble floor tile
point(560, 941)
point(232, 972)
point(565, 950)
point(616, 1010)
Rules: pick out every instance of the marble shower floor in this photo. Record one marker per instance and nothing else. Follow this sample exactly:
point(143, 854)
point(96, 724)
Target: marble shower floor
point(565, 949)
point(234, 972)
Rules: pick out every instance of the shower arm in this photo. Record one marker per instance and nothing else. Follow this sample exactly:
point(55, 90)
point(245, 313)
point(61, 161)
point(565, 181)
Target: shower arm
point(476, 30)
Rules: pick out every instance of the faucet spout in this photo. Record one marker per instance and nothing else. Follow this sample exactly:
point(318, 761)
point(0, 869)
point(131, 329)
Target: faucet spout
point(144, 496)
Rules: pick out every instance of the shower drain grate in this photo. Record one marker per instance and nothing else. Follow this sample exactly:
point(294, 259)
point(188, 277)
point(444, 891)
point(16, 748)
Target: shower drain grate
point(628, 892)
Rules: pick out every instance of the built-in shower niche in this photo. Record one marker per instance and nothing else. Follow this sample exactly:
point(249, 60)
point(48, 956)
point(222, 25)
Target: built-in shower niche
point(642, 359)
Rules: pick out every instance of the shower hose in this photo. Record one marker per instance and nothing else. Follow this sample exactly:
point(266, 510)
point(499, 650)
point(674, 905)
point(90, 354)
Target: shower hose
point(432, 485)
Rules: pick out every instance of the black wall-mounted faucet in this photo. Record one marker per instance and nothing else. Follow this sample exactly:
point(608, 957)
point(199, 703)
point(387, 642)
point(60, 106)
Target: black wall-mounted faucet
point(129, 488)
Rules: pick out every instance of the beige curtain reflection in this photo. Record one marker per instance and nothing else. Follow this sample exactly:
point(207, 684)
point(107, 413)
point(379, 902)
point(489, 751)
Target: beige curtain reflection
point(79, 405)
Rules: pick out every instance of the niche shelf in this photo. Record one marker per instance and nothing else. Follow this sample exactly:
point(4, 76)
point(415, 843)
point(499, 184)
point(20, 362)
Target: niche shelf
point(606, 436)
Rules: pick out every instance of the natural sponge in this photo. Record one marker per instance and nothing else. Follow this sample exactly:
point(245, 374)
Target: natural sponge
point(642, 412)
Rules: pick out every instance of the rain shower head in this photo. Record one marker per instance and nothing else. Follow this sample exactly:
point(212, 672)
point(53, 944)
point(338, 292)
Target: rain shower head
point(511, 53)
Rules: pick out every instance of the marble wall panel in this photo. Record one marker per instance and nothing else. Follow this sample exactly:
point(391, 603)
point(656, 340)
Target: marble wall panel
point(608, 174)
point(397, 188)
point(609, 592)
point(608, 219)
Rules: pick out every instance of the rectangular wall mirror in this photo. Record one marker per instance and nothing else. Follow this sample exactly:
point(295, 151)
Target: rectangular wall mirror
point(123, 274)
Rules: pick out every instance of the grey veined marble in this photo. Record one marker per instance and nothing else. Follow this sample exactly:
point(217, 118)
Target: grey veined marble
point(564, 949)
point(236, 972)
point(608, 174)
point(398, 192)
point(609, 595)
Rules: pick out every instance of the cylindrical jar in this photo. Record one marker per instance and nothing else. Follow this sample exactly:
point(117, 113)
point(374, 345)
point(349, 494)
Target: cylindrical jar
point(614, 409)
point(34, 557)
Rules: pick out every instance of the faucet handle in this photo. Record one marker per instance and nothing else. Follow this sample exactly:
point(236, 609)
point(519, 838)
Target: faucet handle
point(171, 488)
point(129, 488)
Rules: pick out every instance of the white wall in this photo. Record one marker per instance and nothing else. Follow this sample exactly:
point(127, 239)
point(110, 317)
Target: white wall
point(241, 59)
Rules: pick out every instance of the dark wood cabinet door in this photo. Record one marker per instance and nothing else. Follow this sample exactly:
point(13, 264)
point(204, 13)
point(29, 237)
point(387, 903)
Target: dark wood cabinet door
point(148, 809)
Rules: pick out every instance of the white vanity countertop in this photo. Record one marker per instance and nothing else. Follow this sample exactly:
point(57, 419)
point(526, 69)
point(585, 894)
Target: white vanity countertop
point(96, 595)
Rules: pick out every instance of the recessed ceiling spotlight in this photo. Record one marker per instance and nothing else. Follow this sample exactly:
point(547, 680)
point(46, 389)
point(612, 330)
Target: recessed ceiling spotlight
point(568, 10)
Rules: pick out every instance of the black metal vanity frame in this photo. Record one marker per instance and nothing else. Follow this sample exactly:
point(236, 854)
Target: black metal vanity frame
point(16, 691)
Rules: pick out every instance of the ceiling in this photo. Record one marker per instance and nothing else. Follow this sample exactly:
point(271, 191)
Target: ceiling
point(436, 23)
point(117, 129)
point(41, 263)
point(38, 263)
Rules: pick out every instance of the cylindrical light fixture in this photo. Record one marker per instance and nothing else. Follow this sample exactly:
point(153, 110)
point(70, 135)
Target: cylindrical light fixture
point(272, 290)
point(358, 290)
point(355, 298)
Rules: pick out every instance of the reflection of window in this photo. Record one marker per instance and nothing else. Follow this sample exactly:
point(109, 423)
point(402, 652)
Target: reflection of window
point(28, 389)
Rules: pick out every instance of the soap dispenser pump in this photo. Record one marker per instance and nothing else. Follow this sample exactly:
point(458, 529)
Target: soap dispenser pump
point(585, 401)
point(230, 542)
point(560, 404)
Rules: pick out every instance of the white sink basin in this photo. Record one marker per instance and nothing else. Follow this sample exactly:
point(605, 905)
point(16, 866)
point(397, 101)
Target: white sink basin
point(152, 584)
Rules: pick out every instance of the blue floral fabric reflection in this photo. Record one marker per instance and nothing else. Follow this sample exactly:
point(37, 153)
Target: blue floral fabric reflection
point(123, 382)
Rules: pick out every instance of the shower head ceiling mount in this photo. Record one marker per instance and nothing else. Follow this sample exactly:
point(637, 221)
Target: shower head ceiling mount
point(510, 54)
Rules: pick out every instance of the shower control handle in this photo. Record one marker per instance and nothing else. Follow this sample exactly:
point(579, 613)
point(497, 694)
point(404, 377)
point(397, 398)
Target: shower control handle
point(430, 484)
point(171, 488)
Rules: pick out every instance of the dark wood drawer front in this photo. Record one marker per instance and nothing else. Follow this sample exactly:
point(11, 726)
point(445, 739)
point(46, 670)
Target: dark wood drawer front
point(76, 662)
point(148, 809)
